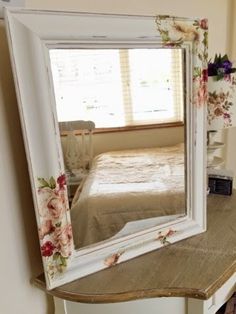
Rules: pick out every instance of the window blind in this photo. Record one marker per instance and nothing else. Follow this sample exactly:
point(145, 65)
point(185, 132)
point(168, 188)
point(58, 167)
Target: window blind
point(118, 87)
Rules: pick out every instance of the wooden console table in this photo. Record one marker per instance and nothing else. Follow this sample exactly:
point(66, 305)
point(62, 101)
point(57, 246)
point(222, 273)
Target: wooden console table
point(201, 268)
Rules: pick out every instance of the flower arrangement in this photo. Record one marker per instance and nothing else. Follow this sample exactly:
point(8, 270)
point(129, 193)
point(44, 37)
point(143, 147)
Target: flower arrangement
point(221, 67)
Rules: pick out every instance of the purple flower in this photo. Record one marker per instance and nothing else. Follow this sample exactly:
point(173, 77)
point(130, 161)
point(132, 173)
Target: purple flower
point(227, 65)
point(221, 67)
point(212, 69)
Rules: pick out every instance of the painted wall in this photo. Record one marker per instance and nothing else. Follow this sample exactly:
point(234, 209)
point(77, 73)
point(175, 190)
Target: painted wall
point(19, 244)
point(230, 134)
point(134, 139)
point(20, 256)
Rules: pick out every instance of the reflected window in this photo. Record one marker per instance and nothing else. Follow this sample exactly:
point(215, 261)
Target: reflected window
point(118, 87)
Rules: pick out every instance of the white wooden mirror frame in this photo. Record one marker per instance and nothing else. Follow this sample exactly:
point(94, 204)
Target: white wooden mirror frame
point(31, 33)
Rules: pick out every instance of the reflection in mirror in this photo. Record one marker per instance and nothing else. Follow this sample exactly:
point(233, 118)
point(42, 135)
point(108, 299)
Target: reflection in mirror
point(141, 187)
point(122, 178)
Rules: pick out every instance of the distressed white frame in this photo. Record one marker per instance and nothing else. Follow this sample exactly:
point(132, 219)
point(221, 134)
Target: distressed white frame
point(7, 3)
point(30, 34)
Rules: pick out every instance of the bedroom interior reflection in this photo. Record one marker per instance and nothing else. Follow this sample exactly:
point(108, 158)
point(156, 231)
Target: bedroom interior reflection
point(132, 176)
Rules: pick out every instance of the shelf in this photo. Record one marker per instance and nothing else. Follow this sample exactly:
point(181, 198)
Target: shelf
point(215, 146)
point(215, 162)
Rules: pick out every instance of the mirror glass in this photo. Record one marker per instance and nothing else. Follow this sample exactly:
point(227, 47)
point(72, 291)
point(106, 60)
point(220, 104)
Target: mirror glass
point(124, 173)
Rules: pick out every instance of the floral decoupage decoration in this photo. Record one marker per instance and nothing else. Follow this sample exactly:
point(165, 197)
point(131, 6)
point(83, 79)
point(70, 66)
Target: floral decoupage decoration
point(55, 230)
point(113, 259)
point(164, 236)
point(175, 33)
point(221, 92)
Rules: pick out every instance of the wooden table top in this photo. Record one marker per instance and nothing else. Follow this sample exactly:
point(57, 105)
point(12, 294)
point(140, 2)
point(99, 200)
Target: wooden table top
point(196, 267)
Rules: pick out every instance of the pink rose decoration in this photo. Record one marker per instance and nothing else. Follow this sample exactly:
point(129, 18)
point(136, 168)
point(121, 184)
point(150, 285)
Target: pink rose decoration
point(170, 233)
point(226, 115)
point(202, 93)
point(63, 240)
point(56, 207)
point(112, 260)
point(61, 181)
point(204, 24)
point(46, 228)
point(205, 75)
point(47, 249)
point(52, 204)
point(162, 237)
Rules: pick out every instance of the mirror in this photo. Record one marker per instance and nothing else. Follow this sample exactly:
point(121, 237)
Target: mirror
point(93, 91)
point(120, 189)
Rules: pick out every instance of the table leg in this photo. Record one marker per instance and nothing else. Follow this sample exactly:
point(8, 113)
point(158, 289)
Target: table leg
point(60, 306)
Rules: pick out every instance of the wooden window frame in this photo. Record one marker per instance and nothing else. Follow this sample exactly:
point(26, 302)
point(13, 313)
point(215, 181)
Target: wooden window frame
point(131, 128)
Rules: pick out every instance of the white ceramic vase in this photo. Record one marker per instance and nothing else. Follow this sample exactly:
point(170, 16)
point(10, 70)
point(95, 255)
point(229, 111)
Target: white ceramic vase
point(221, 102)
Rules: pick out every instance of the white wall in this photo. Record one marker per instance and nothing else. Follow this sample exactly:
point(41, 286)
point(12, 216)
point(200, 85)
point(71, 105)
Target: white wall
point(19, 258)
point(231, 133)
point(19, 245)
point(134, 139)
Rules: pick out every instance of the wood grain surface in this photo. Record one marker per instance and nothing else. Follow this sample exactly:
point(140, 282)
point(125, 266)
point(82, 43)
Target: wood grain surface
point(196, 267)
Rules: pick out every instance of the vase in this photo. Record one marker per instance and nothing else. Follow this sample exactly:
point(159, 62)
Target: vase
point(221, 104)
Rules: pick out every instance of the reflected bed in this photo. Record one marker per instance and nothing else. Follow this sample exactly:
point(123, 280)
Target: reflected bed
point(125, 186)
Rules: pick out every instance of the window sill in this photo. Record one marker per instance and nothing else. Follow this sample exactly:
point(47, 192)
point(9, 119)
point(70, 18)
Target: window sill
point(132, 128)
